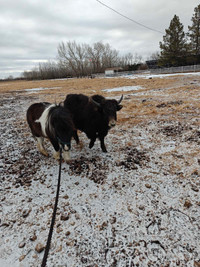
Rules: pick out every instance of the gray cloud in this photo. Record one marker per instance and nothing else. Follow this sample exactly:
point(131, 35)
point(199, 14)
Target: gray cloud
point(31, 30)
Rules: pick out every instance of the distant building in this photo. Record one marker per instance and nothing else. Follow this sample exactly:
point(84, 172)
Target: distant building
point(152, 64)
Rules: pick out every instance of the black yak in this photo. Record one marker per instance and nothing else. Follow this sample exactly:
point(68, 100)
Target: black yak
point(93, 115)
point(53, 122)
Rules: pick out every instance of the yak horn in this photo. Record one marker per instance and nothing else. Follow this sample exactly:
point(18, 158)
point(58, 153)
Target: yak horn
point(120, 99)
point(96, 103)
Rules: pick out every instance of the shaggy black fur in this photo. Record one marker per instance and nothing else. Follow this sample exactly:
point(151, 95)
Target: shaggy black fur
point(93, 115)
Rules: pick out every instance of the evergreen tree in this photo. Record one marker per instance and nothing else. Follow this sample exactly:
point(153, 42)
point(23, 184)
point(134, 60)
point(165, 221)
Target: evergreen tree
point(174, 46)
point(194, 32)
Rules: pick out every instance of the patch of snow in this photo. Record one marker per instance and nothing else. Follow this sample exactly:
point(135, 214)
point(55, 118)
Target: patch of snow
point(41, 89)
point(5, 263)
point(124, 88)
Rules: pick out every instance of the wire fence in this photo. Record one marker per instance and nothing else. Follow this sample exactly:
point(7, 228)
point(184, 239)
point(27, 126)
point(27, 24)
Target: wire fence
point(191, 68)
point(182, 69)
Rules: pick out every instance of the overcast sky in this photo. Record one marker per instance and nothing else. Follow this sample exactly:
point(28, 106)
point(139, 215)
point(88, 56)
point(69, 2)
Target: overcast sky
point(30, 30)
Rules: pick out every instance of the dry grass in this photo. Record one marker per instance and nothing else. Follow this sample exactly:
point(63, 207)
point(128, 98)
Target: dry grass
point(85, 85)
point(143, 104)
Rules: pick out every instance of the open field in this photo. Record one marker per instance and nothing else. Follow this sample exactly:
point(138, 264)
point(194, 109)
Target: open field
point(137, 205)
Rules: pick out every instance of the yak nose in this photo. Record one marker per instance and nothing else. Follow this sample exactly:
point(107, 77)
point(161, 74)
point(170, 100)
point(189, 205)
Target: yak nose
point(112, 123)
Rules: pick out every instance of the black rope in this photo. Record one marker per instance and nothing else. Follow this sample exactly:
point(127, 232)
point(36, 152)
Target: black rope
point(48, 244)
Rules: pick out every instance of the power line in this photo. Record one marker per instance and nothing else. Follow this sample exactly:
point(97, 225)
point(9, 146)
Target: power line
point(140, 24)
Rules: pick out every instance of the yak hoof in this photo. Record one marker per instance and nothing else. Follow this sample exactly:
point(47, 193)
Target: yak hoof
point(66, 156)
point(56, 155)
point(44, 152)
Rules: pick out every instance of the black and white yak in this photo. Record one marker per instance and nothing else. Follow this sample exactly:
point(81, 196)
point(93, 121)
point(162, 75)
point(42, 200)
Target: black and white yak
point(53, 122)
point(93, 115)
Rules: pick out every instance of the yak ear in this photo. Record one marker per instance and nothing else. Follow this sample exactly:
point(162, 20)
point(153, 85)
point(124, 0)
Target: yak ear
point(119, 107)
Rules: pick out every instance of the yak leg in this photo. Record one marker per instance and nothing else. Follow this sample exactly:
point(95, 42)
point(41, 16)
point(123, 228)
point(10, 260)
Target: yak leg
point(103, 147)
point(40, 146)
point(92, 141)
point(56, 154)
point(56, 147)
point(76, 138)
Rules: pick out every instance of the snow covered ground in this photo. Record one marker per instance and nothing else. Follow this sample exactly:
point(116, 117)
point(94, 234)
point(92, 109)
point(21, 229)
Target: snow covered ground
point(41, 89)
point(137, 205)
point(123, 89)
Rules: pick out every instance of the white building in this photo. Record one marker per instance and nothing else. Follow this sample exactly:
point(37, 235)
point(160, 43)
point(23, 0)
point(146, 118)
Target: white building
point(112, 71)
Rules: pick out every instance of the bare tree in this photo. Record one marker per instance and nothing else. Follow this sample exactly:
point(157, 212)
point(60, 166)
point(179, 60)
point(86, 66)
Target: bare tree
point(102, 56)
point(154, 56)
point(74, 57)
point(110, 57)
point(83, 59)
point(126, 60)
point(137, 59)
point(95, 54)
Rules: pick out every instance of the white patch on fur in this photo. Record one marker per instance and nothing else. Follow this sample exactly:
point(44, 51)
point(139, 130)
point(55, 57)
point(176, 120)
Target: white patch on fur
point(43, 119)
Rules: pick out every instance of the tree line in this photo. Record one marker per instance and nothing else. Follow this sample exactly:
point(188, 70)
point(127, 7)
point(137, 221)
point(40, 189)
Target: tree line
point(80, 60)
